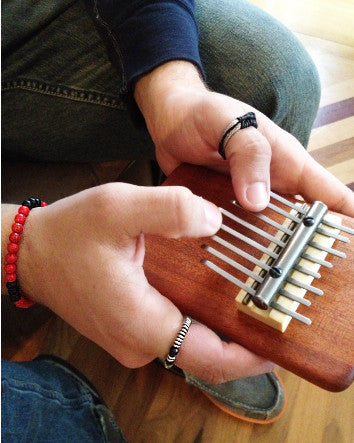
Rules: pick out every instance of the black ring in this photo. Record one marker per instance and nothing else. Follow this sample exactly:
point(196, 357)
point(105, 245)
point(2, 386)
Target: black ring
point(245, 121)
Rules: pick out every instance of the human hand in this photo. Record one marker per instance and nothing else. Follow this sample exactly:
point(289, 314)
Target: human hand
point(83, 258)
point(186, 122)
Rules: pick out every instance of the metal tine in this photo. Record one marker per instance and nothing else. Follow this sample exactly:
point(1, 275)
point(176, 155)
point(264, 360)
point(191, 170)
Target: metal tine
point(233, 263)
point(253, 228)
point(300, 300)
point(329, 250)
point(303, 210)
point(286, 202)
point(249, 241)
point(240, 252)
point(330, 234)
point(267, 220)
point(285, 213)
point(302, 285)
point(307, 271)
point(324, 263)
point(229, 277)
point(337, 226)
point(293, 314)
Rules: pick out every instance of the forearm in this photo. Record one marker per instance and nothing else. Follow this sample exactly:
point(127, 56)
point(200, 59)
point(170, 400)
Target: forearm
point(143, 35)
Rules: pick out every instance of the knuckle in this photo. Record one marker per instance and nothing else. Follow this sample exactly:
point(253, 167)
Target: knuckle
point(257, 147)
point(104, 195)
point(182, 203)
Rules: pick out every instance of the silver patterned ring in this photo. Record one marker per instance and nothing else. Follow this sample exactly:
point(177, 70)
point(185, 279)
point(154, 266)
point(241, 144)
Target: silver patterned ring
point(174, 349)
point(245, 121)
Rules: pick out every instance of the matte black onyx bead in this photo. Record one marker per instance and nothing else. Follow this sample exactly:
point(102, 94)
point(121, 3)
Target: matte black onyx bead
point(12, 285)
point(14, 297)
point(13, 290)
point(173, 351)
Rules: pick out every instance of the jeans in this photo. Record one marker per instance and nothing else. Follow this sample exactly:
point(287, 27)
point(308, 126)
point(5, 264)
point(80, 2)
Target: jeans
point(46, 400)
point(61, 95)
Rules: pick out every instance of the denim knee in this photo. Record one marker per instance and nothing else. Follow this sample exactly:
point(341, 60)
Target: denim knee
point(47, 400)
point(252, 57)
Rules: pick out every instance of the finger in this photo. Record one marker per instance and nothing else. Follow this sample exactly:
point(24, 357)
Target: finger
point(205, 355)
point(157, 323)
point(249, 156)
point(171, 211)
point(319, 184)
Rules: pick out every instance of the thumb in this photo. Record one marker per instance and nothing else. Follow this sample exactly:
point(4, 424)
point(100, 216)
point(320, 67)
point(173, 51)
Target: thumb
point(171, 211)
point(249, 156)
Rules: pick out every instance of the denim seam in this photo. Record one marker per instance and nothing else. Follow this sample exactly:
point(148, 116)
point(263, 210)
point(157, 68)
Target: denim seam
point(80, 95)
point(110, 35)
point(84, 398)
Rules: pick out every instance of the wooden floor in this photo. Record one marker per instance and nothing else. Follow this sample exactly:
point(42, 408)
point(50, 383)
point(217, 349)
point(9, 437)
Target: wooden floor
point(152, 405)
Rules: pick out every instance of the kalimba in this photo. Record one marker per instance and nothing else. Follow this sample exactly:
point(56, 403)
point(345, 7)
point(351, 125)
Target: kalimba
point(278, 282)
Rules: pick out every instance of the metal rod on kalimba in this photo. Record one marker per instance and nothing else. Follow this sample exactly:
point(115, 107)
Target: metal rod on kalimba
point(332, 235)
point(233, 263)
point(317, 260)
point(301, 300)
point(241, 253)
point(336, 226)
point(249, 241)
point(329, 250)
point(268, 220)
point(303, 285)
point(286, 214)
point(292, 314)
point(229, 277)
point(285, 262)
point(253, 228)
point(284, 253)
point(307, 271)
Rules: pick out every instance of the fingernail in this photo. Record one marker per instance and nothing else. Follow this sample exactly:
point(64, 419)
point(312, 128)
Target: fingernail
point(257, 195)
point(212, 215)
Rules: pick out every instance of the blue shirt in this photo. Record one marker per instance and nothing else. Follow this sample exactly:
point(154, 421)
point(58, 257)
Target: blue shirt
point(144, 34)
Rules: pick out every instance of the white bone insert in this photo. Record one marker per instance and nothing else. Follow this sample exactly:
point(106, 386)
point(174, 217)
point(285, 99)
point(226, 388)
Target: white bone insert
point(271, 316)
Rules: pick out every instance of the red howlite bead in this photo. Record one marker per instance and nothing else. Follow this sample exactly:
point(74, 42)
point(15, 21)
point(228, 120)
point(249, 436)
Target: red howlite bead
point(43, 204)
point(23, 210)
point(14, 237)
point(10, 277)
point(10, 268)
point(24, 303)
point(12, 247)
point(20, 218)
point(17, 227)
point(11, 258)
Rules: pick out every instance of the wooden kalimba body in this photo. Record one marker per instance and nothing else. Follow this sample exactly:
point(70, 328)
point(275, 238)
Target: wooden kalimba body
point(279, 283)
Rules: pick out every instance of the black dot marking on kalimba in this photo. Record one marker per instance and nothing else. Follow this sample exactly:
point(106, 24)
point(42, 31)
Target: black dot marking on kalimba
point(275, 272)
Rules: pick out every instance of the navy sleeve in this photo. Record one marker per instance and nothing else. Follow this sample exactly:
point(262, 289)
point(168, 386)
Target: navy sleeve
point(147, 33)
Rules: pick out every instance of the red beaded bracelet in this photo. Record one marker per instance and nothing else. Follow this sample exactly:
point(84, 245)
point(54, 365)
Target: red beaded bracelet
point(12, 284)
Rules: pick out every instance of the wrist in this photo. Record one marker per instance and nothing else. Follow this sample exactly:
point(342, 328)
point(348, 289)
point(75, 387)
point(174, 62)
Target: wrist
point(156, 88)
